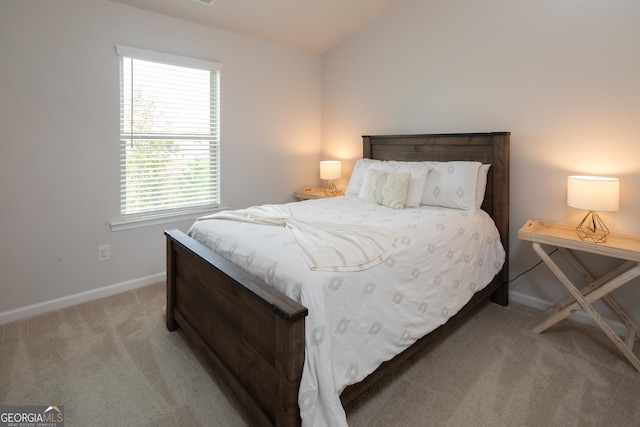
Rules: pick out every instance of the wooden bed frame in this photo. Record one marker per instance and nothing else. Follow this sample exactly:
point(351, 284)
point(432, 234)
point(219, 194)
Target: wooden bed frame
point(253, 335)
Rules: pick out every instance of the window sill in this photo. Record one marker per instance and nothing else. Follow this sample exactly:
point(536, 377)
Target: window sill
point(129, 224)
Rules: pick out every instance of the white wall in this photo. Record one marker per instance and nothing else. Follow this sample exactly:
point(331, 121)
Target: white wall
point(562, 76)
point(59, 138)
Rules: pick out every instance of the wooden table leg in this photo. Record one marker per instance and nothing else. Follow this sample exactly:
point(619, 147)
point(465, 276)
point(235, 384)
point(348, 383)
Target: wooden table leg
point(592, 292)
point(615, 272)
point(602, 290)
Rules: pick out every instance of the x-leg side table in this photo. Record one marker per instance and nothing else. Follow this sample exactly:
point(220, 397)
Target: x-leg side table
point(619, 245)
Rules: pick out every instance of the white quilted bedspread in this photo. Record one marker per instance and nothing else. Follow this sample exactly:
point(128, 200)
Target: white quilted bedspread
point(357, 320)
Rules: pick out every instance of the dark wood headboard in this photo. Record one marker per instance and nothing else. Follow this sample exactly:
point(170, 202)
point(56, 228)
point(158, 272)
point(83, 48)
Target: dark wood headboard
point(488, 147)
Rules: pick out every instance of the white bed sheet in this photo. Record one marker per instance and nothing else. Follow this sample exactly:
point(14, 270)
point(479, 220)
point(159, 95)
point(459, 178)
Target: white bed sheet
point(357, 320)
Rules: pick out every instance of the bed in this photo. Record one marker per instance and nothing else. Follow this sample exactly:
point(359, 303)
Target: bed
point(253, 335)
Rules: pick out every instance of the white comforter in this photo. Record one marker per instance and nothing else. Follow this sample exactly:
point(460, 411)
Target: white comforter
point(357, 320)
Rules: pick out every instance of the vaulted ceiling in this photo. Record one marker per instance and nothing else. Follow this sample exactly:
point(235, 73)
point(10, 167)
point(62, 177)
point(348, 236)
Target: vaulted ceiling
point(310, 25)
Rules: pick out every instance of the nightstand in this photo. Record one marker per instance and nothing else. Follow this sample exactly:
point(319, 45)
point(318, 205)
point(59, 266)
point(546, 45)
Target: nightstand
point(623, 246)
point(308, 193)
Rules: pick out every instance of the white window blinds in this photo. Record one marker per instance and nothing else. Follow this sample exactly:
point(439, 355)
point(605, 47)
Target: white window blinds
point(169, 133)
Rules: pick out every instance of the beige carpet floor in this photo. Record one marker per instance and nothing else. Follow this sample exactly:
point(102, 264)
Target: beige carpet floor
point(111, 362)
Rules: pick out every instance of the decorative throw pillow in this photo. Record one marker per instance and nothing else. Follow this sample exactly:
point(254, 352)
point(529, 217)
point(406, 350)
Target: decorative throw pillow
point(395, 189)
point(452, 185)
point(372, 188)
point(387, 189)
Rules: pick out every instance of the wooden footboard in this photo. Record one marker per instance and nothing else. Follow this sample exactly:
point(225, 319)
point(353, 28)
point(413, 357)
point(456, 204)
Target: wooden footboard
point(252, 334)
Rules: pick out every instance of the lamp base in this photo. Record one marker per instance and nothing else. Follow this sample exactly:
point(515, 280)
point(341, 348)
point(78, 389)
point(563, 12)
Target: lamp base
point(592, 228)
point(331, 190)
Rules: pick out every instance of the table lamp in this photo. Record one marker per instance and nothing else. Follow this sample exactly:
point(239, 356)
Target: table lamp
point(330, 170)
point(594, 193)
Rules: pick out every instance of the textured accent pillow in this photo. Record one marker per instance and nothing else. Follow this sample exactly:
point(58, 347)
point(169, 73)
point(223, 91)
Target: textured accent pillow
point(395, 189)
point(481, 184)
point(452, 185)
point(387, 189)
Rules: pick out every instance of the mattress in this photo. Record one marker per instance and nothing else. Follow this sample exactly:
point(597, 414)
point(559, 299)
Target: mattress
point(359, 319)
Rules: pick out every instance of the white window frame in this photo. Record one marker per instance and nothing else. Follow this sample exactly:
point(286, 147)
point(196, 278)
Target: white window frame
point(172, 214)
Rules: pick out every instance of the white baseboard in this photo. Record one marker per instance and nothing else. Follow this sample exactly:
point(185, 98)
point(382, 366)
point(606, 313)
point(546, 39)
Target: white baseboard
point(58, 303)
point(47, 306)
point(579, 316)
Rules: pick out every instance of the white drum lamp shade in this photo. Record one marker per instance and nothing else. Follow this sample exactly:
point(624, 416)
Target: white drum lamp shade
point(593, 193)
point(330, 170)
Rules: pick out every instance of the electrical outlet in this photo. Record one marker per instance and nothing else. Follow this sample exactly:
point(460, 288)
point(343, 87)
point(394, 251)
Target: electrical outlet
point(104, 252)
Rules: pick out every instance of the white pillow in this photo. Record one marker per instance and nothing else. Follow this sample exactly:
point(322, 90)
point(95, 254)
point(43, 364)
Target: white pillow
point(359, 174)
point(481, 184)
point(387, 189)
point(452, 185)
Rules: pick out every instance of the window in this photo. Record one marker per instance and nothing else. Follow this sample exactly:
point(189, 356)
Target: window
point(169, 134)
